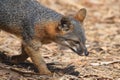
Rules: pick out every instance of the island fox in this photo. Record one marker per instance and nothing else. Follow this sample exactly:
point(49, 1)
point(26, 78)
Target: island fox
point(37, 25)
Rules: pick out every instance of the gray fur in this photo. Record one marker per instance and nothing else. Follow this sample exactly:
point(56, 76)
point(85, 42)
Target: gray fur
point(23, 14)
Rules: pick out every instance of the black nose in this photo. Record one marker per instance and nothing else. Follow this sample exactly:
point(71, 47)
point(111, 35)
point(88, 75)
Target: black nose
point(86, 53)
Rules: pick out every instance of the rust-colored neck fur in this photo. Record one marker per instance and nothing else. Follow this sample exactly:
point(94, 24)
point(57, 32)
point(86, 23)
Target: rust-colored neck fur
point(47, 32)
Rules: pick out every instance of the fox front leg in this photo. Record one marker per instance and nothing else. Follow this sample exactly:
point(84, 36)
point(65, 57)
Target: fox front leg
point(33, 51)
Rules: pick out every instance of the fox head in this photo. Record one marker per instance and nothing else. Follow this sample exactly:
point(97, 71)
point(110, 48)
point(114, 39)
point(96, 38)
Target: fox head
point(72, 34)
point(68, 31)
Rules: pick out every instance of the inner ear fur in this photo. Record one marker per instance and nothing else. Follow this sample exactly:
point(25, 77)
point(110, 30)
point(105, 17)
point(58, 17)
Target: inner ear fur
point(65, 24)
point(65, 20)
point(81, 14)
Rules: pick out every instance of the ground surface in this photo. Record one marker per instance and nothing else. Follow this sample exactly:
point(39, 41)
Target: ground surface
point(102, 27)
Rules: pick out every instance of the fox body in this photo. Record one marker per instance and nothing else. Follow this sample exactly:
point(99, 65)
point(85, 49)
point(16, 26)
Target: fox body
point(37, 25)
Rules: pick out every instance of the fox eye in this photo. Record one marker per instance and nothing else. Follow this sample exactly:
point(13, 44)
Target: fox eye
point(65, 27)
point(76, 42)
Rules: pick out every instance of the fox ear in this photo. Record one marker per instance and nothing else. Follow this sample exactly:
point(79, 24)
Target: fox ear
point(80, 15)
point(65, 24)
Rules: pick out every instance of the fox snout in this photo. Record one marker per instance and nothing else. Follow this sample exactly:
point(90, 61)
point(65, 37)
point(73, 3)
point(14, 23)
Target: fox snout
point(81, 49)
point(77, 47)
